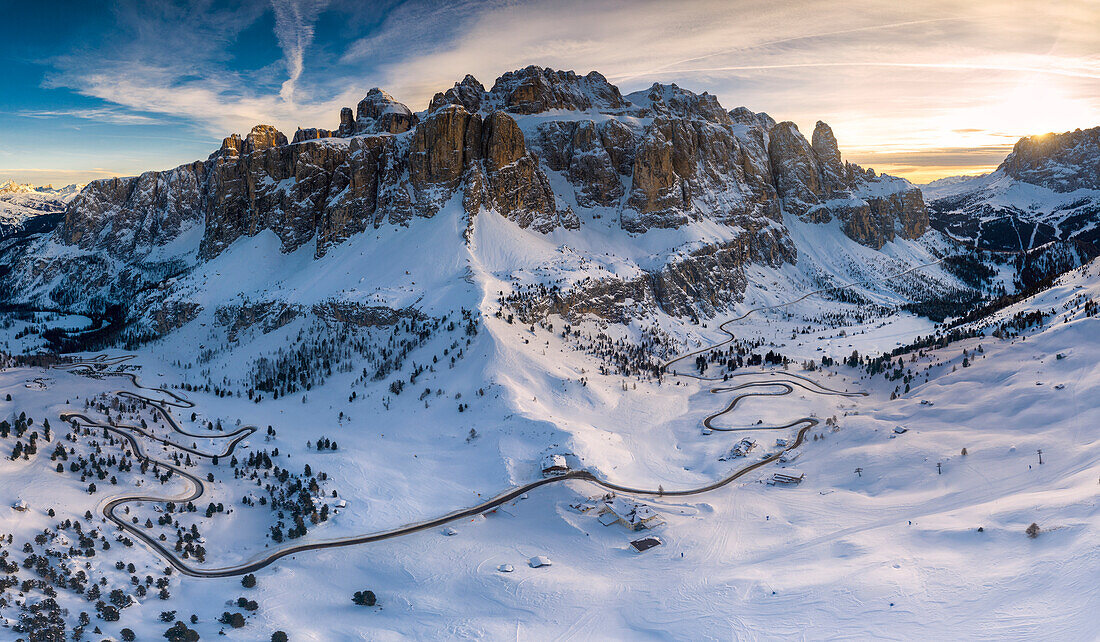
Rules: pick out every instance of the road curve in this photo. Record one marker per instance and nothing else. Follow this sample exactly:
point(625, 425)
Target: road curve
point(730, 336)
point(785, 382)
point(127, 432)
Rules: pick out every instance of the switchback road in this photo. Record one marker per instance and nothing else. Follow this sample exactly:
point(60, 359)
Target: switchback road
point(779, 383)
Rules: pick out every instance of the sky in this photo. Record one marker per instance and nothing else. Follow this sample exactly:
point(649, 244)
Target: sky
point(920, 89)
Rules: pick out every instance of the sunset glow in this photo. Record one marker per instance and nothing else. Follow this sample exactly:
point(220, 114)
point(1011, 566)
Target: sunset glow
point(918, 89)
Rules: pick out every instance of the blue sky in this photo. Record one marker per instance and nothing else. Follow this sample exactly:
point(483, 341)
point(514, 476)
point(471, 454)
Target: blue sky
point(921, 89)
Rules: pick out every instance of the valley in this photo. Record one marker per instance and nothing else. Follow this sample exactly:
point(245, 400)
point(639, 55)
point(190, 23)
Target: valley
point(551, 360)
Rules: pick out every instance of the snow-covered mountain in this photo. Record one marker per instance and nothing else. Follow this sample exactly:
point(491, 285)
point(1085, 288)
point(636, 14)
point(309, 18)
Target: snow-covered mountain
point(460, 294)
point(28, 209)
point(1047, 189)
point(600, 204)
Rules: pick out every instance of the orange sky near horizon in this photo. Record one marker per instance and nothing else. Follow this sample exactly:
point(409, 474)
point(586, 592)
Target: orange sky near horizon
point(921, 90)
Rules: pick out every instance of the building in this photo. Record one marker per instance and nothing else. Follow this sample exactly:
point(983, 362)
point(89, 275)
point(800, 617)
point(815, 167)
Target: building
point(740, 450)
point(646, 543)
point(20, 506)
point(788, 455)
point(539, 561)
point(633, 515)
point(900, 430)
point(554, 465)
point(590, 504)
point(787, 477)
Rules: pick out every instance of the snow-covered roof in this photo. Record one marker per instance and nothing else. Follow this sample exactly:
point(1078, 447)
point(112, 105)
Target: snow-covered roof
point(554, 461)
point(608, 518)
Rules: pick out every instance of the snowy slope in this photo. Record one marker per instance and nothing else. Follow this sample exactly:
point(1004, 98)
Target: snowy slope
point(1000, 212)
point(893, 552)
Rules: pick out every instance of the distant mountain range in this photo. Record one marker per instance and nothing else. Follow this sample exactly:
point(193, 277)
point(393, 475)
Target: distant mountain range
point(1047, 189)
point(27, 209)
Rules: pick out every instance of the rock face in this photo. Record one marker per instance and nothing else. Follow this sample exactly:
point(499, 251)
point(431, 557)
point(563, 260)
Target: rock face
point(380, 113)
point(534, 90)
point(692, 163)
point(545, 149)
point(469, 93)
point(312, 133)
point(1060, 162)
point(816, 185)
point(797, 179)
point(704, 282)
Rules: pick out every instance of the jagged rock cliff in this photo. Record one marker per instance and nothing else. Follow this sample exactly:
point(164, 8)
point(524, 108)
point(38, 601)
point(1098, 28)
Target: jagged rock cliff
point(673, 157)
point(547, 150)
point(1060, 162)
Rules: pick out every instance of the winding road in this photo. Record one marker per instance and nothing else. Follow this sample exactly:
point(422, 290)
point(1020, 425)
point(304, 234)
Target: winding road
point(780, 383)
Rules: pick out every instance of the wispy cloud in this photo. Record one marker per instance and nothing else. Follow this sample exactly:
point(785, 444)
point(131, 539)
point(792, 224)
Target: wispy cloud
point(294, 30)
point(916, 76)
point(143, 72)
point(53, 175)
point(102, 115)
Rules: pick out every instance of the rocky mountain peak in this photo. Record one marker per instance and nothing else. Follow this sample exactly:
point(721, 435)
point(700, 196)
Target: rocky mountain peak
point(263, 137)
point(311, 133)
point(380, 112)
point(1061, 162)
point(794, 166)
point(749, 118)
point(534, 90)
point(827, 154)
point(469, 93)
point(824, 145)
point(671, 100)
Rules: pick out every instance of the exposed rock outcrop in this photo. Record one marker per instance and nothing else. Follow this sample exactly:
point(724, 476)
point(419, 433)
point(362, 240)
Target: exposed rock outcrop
point(533, 90)
point(537, 148)
point(469, 93)
point(702, 283)
point(797, 179)
point(380, 113)
point(311, 133)
point(1061, 162)
point(517, 186)
point(816, 185)
point(691, 163)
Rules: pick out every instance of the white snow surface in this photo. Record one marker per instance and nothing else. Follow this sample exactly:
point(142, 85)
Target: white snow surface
point(891, 553)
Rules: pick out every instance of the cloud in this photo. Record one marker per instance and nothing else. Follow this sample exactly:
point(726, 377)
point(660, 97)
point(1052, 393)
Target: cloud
point(294, 30)
point(102, 115)
point(889, 77)
point(216, 103)
point(54, 176)
point(176, 61)
point(982, 156)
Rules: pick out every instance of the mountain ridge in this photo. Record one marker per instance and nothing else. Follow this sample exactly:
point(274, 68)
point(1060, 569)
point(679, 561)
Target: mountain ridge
point(1047, 189)
point(658, 202)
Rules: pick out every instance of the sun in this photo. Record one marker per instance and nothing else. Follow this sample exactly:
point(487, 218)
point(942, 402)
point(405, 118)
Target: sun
point(1038, 104)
